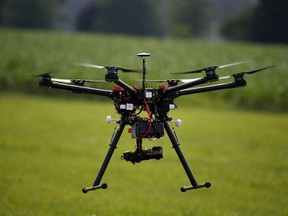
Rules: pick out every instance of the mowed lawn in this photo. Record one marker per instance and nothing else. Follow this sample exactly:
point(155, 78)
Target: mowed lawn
point(51, 148)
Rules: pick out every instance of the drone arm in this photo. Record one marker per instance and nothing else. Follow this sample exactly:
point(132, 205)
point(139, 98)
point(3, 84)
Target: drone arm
point(190, 84)
point(125, 86)
point(113, 143)
point(78, 89)
point(235, 84)
point(183, 161)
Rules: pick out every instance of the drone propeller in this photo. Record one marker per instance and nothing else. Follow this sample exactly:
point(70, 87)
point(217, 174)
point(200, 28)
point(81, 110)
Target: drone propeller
point(61, 80)
point(108, 67)
point(95, 81)
point(174, 80)
point(76, 81)
point(213, 67)
point(247, 72)
point(67, 81)
point(47, 74)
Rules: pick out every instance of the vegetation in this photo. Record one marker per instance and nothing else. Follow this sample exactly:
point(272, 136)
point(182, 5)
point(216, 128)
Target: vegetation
point(27, 53)
point(141, 17)
point(29, 14)
point(191, 18)
point(263, 23)
point(50, 149)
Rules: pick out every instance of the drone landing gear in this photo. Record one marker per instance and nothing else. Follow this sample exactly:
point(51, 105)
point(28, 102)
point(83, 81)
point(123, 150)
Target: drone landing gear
point(113, 143)
point(146, 154)
point(184, 163)
point(87, 189)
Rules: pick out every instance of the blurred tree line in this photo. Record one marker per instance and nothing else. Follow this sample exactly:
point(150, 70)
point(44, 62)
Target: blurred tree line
point(264, 22)
point(137, 17)
point(29, 13)
point(164, 18)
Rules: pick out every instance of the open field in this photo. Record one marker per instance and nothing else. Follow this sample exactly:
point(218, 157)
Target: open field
point(50, 149)
point(27, 53)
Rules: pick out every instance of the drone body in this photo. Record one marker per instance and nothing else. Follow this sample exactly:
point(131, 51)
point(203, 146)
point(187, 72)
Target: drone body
point(130, 101)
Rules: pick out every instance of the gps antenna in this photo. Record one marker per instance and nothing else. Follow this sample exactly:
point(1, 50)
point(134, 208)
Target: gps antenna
point(143, 55)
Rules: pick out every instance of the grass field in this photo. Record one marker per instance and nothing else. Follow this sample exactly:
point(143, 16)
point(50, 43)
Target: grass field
point(25, 53)
point(51, 148)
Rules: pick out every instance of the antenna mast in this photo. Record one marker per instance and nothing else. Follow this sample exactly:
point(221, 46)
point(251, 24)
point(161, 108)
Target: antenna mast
point(143, 55)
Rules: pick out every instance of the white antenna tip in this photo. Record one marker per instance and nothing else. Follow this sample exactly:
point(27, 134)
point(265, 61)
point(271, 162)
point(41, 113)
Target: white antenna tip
point(144, 54)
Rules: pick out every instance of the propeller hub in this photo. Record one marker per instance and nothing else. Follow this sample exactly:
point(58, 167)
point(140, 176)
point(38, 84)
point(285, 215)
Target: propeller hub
point(213, 68)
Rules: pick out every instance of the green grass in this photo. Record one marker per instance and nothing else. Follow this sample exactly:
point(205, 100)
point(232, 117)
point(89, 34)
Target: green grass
point(50, 149)
point(26, 53)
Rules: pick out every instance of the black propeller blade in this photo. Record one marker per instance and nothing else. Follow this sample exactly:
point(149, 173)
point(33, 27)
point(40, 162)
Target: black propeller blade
point(258, 70)
point(109, 67)
point(48, 74)
point(213, 67)
point(247, 72)
point(173, 80)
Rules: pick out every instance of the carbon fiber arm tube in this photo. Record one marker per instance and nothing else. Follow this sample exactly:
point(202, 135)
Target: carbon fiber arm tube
point(78, 89)
point(210, 88)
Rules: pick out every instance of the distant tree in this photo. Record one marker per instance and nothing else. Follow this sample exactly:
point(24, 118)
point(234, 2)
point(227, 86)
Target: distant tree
point(270, 21)
point(191, 17)
point(136, 17)
point(29, 13)
point(87, 16)
point(2, 3)
point(238, 27)
point(181, 18)
point(266, 22)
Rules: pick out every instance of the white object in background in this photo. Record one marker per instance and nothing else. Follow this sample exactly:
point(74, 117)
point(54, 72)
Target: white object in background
point(178, 123)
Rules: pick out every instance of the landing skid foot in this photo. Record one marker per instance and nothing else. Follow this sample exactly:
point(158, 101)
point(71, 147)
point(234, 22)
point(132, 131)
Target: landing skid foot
point(95, 187)
point(185, 188)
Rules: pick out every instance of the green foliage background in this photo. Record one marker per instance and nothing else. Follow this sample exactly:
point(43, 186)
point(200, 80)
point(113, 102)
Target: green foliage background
point(263, 23)
point(27, 53)
point(51, 148)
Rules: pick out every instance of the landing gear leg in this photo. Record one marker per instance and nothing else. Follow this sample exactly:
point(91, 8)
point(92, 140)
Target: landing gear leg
point(114, 140)
point(184, 163)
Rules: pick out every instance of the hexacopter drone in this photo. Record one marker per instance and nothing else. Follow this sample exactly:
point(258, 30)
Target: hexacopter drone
point(130, 101)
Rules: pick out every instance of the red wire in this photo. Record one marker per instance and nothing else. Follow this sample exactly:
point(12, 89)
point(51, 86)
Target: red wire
point(150, 119)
